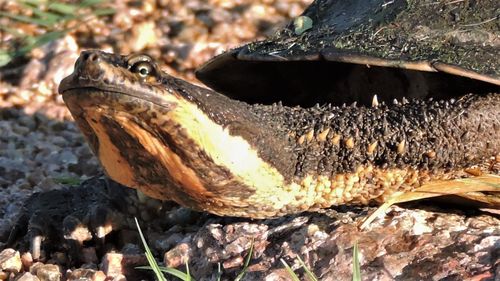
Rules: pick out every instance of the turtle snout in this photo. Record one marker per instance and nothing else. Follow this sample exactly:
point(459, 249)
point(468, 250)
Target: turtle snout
point(93, 68)
point(88, 66)
point(90, 55)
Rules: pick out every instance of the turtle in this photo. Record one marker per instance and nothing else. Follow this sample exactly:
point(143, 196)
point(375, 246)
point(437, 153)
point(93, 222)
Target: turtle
point(350, 103)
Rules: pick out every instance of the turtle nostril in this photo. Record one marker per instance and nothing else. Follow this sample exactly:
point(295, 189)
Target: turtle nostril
point(94, 57)
point(90, 56)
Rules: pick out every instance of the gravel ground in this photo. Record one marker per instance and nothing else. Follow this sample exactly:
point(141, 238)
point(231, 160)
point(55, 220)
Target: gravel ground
point(41, 149)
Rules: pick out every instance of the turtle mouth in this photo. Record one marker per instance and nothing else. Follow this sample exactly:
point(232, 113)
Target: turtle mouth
point(309, 82)
point(91, 105)
point(83, 93)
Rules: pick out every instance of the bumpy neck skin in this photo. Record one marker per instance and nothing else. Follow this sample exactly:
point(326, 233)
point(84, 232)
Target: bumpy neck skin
point(425, 135)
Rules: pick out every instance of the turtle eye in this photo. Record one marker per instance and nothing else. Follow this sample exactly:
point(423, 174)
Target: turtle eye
point(141, 65)
point(143, 69)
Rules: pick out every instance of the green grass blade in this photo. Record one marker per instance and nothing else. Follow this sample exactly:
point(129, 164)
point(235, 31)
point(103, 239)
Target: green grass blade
point(356, 269)
point(67, 180)
point(41, 40)
point(62, 8)
point(25, 19)
point(172, 271)
point(149, 256)
point(219, 272)
point(249, 256)
point(88, 3)
point(30, 5)
point(103, 12)
point(35, 3)
point(5, 57)
point(290, 271)
point(309, 273)
point(247, 262)
point(47, 17)
point(187, 271)
point(53, 16)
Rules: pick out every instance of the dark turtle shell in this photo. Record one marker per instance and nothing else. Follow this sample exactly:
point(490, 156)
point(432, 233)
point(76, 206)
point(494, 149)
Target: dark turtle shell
point(355, 49)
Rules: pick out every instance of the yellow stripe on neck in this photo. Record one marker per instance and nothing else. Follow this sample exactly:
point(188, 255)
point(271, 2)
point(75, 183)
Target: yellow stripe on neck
point(232, 152)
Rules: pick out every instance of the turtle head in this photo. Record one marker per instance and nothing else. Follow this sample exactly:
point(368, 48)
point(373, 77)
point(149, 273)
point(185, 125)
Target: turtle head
point(171, 139)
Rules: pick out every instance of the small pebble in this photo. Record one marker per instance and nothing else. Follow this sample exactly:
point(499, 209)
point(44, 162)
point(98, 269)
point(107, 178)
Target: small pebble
point(26, 276)
point(10, 260)
point(112, 264)
point(47, 272)
point(81, 274)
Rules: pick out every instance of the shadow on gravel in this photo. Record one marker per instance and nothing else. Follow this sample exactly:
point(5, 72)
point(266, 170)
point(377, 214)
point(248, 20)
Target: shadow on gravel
point(37, 153)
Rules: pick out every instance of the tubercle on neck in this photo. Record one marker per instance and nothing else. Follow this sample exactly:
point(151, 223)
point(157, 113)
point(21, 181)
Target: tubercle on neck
point(425, 135)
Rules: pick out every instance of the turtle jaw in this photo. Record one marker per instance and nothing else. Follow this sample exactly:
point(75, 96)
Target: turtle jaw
point(101, 117)
point(135, 144)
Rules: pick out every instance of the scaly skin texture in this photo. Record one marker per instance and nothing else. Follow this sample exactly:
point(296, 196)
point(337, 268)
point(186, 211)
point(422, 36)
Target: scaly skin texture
point(425, 135)
point(180, 142)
